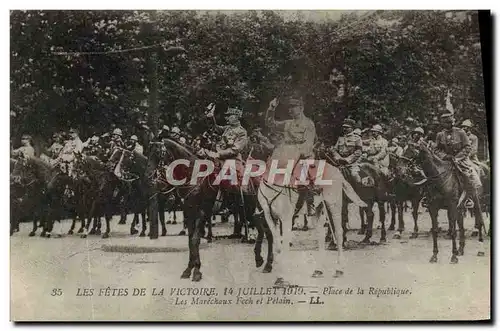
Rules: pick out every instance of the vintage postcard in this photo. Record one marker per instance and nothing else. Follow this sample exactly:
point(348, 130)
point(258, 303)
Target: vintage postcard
point(248, 166)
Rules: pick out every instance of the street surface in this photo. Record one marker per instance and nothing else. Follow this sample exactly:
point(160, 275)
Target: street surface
point(40, 266)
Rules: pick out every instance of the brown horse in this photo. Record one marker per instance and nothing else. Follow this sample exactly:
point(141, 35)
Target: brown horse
point(445, 187)
point(405, 179)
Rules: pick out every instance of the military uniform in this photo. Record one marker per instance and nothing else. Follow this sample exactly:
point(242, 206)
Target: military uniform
point(24, 151)
point(474, 144)
point(455, 143)
point(233, 141)
point(54, 150)
point(377, 151)
point(348, 147)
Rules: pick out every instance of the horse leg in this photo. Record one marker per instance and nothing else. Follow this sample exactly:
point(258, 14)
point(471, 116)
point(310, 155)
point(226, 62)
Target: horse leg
point(208, 223)
point(433, 212)
point(383, 234)
point(35, 226)
point(144, 223)
point(333, 202)
point(453, 215)
point(107, 216)
point(135, 221)
point(161, 213)
point(271, 229)
point(461, 230)
point(189, 220)
point(362, 229)
point(393, 206)
point(195, 243)
point(258, 244)
point(73, 224)
point(415, 204)
point(369, 222)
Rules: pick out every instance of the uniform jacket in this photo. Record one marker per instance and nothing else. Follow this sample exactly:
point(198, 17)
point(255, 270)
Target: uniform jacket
point(453, 142)
point(349, 147)
point(233, 141)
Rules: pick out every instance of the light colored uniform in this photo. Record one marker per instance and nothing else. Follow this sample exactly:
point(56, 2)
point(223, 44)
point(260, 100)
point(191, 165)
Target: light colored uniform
point(298, 138)
point(474, 144)
point(455, 142)
point(139, 149)
point(377, 153)
point(233, 141)
point(348, 147)
point(55, 149)
point(397, 150)
point(67, 154)
point(24, 151)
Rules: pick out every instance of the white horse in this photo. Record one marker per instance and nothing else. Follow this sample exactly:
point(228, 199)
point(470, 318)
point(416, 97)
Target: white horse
point(278, 204)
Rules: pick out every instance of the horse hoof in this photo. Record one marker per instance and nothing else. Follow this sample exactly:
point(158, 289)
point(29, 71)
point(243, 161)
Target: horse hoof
point(32, 234)
point(92, 231)
point(174, 222)
point(433, 259)
point(391, 228)
point(182, 233)
point(105, 235)
point(43, 234)
point(480, 253)
point(70, 232)
point(134, 231)
point(209, 240)
point(365, 241)
point(474, 233)
point(259, 261)
point(48, 235)
point(143, 234)
point(338, 273)
point(244, 240)
point(186, 274)
point(461, 252)
point(163, 232)
point(80, 230)
point(98, 232)
point(169, 222)
point(122, 222)
point(383, 240)
point(453, 260)
point(196, 276)
point(305, 228)
point(317, 274)
point(267, 268)
point(332, 246)
point(396, 236)
point(83, 236)
point(414, 235)
point(251, 241)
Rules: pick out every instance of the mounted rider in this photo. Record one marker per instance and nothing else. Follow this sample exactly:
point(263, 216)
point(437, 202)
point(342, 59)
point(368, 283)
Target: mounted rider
point(453, 144)
point(395, 148)
point(92, 147)
point(135, 146)
point(348, 149)
point(298, 136)
point(377, 150)
point(233, 139)
point(55, 149)
point(71, 147)
point(26, 150)
point(474, 143)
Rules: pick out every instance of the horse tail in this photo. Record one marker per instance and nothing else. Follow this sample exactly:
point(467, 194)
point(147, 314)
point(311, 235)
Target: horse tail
point(351, 194)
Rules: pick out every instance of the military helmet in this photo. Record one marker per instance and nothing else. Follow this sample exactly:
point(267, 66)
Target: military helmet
point(419, 130)
point(467, 124)
point(348, 123)
point(357, 131)
point(395, 140)
point(377, 128)
point(117, 132)
point(26, 136)
point(134, 138)
point(175, 129)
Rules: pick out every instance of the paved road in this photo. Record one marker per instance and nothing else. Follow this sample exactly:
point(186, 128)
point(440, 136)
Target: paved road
point(72, 264)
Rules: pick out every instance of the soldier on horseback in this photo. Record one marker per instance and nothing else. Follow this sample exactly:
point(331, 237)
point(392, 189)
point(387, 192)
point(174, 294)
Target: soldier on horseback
point(453, 144)
point(135, 146)
point(377, 151)
point(56, 146)
point(466, 126)
point(71, 147)
point(299, 134)
point(394, 147)
point(348, 149)
point(26, 150)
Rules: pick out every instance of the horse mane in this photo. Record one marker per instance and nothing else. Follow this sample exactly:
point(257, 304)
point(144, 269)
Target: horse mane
point(180, 151)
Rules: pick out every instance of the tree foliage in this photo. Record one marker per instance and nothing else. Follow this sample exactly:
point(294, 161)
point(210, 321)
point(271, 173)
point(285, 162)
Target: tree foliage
point(380, 67)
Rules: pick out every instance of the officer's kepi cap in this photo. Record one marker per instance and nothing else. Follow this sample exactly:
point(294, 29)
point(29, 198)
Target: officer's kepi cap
point(234, 111)
point(447, 117)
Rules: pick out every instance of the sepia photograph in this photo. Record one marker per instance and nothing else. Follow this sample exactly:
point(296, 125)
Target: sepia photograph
point(250, 165)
